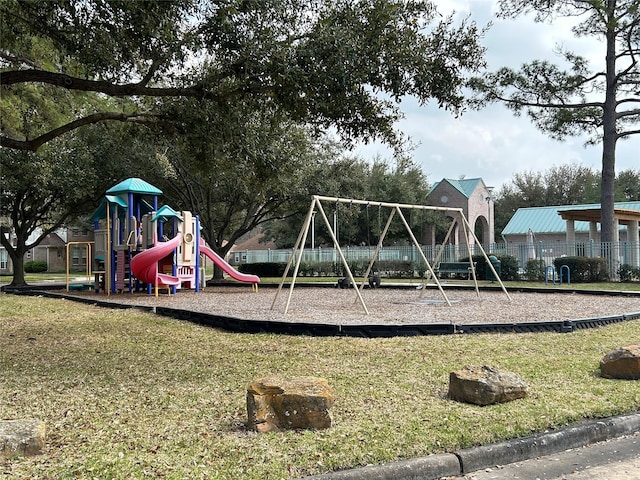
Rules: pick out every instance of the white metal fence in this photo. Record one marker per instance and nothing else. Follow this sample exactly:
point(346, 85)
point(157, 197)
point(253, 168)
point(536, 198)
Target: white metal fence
point(618, 253)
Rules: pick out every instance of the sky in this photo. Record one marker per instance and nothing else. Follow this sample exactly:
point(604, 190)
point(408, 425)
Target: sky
point(493, 144)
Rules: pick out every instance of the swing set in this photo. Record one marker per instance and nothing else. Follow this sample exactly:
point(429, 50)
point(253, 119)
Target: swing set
point(396, 209)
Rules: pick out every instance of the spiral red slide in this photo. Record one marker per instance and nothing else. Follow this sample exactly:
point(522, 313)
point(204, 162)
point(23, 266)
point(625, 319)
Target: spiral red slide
point(144, 265)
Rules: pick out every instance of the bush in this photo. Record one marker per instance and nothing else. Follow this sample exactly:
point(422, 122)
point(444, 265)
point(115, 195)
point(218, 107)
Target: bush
point(582, 269)
point(395, 268)
point(534, 270)
point(35, 266)
point(629, 273)
point(509, 267)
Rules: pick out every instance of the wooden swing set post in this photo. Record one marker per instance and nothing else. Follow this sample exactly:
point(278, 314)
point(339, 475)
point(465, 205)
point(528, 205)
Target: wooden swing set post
point(495, 274)
point(378, 247)
point(395, 207)
point(342, 257)
point(473, 270)
point(415, 242)
point(302, 238)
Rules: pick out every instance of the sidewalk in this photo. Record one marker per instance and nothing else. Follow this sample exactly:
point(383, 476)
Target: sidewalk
point(616, 459)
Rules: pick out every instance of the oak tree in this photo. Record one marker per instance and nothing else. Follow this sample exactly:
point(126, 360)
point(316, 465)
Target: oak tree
point(328, 63)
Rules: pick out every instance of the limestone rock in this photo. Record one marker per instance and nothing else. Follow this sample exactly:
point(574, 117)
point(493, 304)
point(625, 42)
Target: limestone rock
point(21, 438)
point(483, 385)
point(277, 403)
point(623, 363)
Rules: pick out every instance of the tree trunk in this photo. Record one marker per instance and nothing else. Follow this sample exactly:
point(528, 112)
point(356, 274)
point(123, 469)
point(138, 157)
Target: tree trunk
point(17, 259)
point(218, 274)
point(607, 221)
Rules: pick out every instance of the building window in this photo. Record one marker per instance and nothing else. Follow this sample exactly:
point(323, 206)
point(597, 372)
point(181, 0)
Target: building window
point(3, 259)
point(78, 256)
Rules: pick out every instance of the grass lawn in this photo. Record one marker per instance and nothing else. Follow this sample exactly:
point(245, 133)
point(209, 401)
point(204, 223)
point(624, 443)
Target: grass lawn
point(127, 394)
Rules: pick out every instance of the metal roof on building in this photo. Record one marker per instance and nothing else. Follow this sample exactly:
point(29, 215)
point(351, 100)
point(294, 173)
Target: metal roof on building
point(135, 185)
point(548, 219)
point(465, 186)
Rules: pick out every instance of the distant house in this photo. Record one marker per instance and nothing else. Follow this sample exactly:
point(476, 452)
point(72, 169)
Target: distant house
point(476, 202)
point(254, 240)
point(53, 250)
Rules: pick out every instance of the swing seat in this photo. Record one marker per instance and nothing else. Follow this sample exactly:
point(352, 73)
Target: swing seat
point(374, 280)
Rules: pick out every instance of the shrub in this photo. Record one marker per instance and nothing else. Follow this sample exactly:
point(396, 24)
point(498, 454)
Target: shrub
point(421, 268)
point(582, 269)
point(534, 270)
point(35, 266)
point(629, 273)
point(395, 268)
point(509, 267)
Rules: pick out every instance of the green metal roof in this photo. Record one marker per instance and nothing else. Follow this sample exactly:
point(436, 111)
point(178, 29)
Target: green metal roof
point(164, 213)
point(465, 186)
point(135, 185)
point(547, 219)
point(101, 211)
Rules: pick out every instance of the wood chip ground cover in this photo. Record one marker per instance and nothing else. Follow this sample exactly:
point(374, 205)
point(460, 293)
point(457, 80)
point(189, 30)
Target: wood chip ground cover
point(127, 394)
point(392, 306)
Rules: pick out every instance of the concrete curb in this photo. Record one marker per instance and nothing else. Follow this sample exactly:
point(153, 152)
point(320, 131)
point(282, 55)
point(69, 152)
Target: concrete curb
point(430, 467)
point(470, 460)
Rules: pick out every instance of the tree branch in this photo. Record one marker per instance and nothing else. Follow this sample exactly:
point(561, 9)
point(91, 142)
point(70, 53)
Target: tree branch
point(628, 133)
point(13, 77)
point(525, 103)
point(33, 145)
point(14, 60)
point(628, 113)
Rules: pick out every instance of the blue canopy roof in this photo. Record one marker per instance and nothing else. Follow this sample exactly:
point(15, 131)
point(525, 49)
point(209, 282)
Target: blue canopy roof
point(135, 185)
point(101, 211)
point(164, 213)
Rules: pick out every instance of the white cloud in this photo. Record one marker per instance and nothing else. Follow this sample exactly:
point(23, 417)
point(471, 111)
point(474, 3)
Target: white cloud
point(493, 143)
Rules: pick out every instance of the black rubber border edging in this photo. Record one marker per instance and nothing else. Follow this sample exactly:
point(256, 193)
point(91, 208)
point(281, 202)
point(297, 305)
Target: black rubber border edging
point(238, 325)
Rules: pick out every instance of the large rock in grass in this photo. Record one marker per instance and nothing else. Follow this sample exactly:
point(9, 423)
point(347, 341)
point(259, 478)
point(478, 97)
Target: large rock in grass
point(21, 438)
point(277, 403)
point(623, 363)
point(482, 385)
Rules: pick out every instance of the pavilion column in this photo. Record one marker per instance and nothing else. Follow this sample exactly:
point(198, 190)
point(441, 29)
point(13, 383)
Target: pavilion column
point(593, 231)
point(456, 239)
point(633, 238)
point(571, 238)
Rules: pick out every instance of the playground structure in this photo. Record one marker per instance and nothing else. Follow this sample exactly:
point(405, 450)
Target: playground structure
point(128, 230)
point(395, 208)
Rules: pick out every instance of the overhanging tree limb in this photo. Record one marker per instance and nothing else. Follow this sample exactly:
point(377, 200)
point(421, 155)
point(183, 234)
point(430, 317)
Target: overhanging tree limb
point(13, 77)
point(33, 145)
